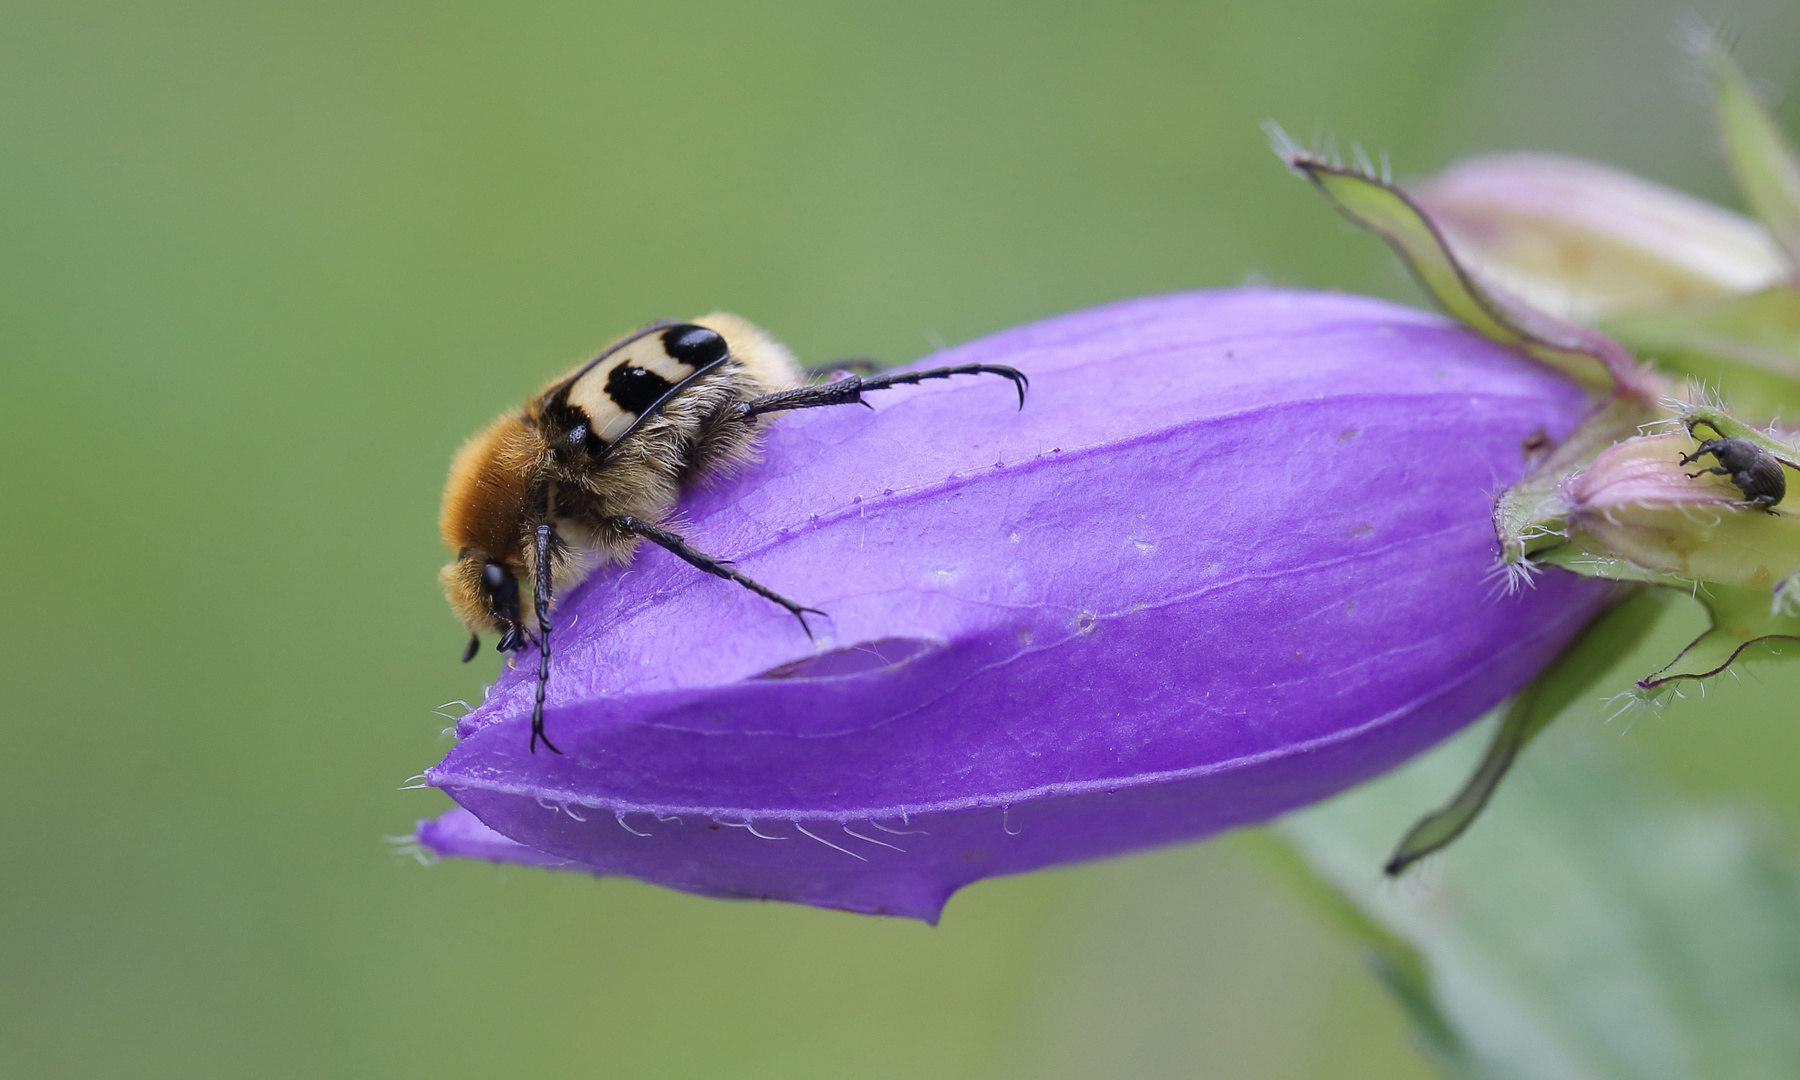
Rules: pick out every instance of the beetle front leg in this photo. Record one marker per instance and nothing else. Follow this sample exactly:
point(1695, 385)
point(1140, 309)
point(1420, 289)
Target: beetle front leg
point(850, 389)
point(547, 544)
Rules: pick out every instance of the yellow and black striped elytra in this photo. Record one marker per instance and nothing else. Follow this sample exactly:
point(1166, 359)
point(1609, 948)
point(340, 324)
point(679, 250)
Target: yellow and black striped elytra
point(594, 463)
point(604, 397)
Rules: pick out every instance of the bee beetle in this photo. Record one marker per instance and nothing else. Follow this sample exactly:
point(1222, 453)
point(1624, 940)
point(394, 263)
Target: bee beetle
point(1756, 472)
point(594, 462)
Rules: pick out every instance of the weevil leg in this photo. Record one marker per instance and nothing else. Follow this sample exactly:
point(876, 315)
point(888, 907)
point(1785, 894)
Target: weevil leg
point(700, 560)
point(1716, 470)
point(849, 390)
point(546, 543)
point(1710, 446)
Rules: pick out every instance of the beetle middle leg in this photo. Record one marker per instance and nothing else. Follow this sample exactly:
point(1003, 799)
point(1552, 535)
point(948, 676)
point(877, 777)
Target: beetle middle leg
point(1716, 470)
point(700, 560)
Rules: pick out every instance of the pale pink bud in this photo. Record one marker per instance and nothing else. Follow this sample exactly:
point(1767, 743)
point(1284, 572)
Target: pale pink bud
point(1638, 502)
point(1584, 240)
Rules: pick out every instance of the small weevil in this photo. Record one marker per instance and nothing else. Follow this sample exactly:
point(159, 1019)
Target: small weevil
point(1756, 472)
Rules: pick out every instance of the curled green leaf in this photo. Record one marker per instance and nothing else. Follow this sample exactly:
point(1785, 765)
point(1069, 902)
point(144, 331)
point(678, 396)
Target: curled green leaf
point(1603, 642)
point(1585, 355)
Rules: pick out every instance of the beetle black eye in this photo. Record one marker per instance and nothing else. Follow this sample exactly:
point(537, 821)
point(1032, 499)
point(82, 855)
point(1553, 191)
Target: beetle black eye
point(502, 591)
point(695, 346)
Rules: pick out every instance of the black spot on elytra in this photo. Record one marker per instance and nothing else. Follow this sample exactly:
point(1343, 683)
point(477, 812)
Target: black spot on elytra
point(635, 389)
point(695, 346)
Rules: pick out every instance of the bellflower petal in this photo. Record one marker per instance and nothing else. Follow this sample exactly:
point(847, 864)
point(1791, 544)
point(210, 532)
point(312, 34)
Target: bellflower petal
point(461, 834)
point(1230, 558)
point(1584, 240)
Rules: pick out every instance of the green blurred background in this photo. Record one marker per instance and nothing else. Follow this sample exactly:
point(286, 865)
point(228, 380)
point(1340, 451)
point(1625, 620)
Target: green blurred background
point(265, 266)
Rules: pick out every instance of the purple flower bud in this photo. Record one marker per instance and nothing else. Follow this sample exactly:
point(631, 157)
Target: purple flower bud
point(1230, 558)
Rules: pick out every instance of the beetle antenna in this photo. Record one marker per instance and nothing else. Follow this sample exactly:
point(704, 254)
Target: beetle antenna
point(546, 540)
